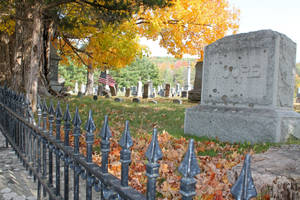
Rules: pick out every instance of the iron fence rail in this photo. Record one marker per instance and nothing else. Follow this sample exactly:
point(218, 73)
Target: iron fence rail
point(35, 144)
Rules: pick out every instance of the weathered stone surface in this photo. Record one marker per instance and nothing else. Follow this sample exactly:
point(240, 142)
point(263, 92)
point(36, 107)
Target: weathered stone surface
point(95, 97)
point(241, 124)
point(184, 94)
point(167, 90)
point(127, 93)
point(248, 83)
point(118, 99)
point(177, 101)
point(276, 172)
point(146, 91)
point(250, 68)
point(153, 101)
point(136, 100)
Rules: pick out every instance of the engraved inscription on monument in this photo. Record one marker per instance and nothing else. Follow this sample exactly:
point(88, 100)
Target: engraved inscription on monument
point(238, 78)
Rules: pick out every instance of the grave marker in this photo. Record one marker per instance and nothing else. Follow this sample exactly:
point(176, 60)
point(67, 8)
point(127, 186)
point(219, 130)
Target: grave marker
point(248, 86)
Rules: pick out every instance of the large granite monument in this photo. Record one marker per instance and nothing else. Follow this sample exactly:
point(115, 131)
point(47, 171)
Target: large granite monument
point(247, 91)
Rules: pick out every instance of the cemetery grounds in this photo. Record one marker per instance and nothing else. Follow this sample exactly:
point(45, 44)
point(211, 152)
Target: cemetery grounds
point(215, 158)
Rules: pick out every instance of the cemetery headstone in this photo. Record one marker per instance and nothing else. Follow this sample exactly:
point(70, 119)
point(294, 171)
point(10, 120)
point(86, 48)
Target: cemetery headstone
point(139, 89)
point(184, 94)
point(150, 88)
point(76, 88)
point(53, 70)
point(134, 91)
point(136, 100)
point(177, 101)
point(95, 97)
point(146, 91)
point(177, 89)
point(167, 90)
point(79, 94)
point(118, 99)
point(113, 91)
point(187, 85)
point(127, 93)
point(82, 88)
point(195, 93)
point(248, 86)
point(153, 101)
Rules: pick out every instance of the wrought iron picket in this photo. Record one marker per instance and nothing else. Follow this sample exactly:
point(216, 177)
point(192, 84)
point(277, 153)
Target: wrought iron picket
point(35, 145)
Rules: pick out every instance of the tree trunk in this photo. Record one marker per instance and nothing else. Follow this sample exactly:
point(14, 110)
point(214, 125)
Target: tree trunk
point(18, 67)
point(90, 80)
point(35, 57)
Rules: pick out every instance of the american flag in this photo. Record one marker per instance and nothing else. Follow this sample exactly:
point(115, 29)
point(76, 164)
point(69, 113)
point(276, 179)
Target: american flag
point(106, 79)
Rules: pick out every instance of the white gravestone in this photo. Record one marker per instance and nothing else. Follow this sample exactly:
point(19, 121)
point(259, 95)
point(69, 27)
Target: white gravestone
point(82, 88)
point(140, 89)
point(76, 88)
point(247, 91)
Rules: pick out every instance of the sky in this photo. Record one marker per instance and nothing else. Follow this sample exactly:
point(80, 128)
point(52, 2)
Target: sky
point(279, 15)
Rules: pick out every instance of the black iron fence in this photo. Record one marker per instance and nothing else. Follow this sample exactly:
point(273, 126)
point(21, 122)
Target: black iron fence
point(36, 146)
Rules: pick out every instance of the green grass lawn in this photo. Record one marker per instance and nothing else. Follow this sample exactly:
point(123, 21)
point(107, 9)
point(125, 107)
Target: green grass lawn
point(144, 116)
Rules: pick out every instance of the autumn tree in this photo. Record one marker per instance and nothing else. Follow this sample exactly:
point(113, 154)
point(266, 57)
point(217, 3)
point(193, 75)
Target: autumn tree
point(188, 25)
point(37, 22)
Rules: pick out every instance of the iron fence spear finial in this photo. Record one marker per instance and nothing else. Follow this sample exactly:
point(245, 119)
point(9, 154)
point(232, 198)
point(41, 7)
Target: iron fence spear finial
point(125, 154)
point(67, 125)
point(76, 133)
point(105, 144)
point(244, 188)
point(90, 128)
point(153, 154)
point(188, 168)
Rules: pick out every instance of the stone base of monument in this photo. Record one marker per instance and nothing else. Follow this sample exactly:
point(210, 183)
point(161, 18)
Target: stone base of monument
point(276, 173)
point(194, 95)
point(237, 124)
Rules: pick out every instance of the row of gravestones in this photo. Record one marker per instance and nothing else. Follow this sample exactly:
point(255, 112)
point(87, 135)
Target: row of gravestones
point(148, 91)
point(136, 100)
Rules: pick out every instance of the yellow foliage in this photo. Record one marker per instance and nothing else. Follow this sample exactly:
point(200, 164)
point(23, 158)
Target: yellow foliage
point(188, 25)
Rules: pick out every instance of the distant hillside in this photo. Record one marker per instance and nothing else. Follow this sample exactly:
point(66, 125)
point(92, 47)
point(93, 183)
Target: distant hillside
point(172, 70)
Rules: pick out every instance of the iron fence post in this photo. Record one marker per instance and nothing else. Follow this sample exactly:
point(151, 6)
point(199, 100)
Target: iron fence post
point(153, 154)
point(51, 113)
point(90, 128)
point(189, 168)
point(45, 113)
point(58, 116)
point(76, 133)
point(67, 127)
point(125, 154)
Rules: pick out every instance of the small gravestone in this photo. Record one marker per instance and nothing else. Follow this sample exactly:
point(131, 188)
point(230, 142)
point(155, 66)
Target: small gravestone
point(146, 91)
point(184, 94)
point(79, 94)
point(95, 97)
point(177, 101)
point(153, 101)
point(247, 90)
point(136, 100)
point(167, 90)
point(118, 99)
point(127, 93)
